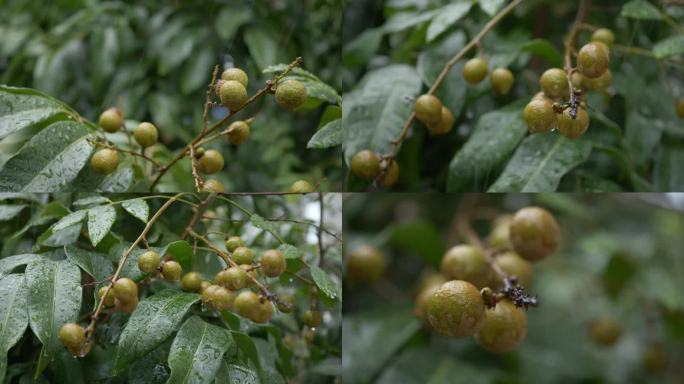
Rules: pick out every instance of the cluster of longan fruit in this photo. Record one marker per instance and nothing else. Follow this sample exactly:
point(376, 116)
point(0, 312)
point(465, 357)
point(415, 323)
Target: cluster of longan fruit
point(548, 110)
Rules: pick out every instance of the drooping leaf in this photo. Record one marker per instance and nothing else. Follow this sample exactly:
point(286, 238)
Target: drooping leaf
point(22, 108)
point(263, 224)
point(13, 315)
point(330, 135)
point(197, 351)
point(641, 9)
point(404, 20)
point(448, 16)
point(91, 200)
point(96, 264)
point(70, 219)
point(671, 46)
point(100, 221)
point(197, 70)
point(230, 19)
point(246, 345)
point(491, 7)
point(8, 212)
point(181, 251)
point(325, 283)
point(152, 322)
point(262, 46)
point(544, 49)
point(138, 208)
point(290, 251)
point(7, 264)
point(54, 299)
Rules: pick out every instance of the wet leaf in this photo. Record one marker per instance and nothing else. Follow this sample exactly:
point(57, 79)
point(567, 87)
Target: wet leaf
point(13, 315)
point(138, 208)
point(100, 221)
point(7, 264)
point(22, 108)
point(330, 135)
point(95, 264)
point(325, 283)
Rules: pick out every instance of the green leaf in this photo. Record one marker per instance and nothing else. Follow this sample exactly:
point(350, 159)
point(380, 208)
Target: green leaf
point(668, 175)
point(540, 162)
point(100, 221)
point(54, 299)
point(290, 251)
point(491, 7)
point(330, 135)
point(640, 9)
point(230, 19)
point(375, 111)
point(317, 89)
point(447, 16)
point(8, 264)
point(70, 219)
point(138, 208)
point(642, 135)
point(8, 212)
point(495, 137)
point(544, 49)
point(182, 252)
point(359, 51)
point(420, 237)
point(91, 200)
point(197, 351)
point(262, 46)
point(179, 49)
point(121, 180)
point(671, 46)
point(95, 264)
point(325, 283)
point(50, 160)
point(13, 315)
point(22, 108)
point(241, 375)
point(197, 71)
point(246, 345)
point(403, 20)
point(263, 224)
point(152, 322)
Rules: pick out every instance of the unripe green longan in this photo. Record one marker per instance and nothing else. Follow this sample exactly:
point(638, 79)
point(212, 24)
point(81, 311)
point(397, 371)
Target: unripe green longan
point(598, 84)
point(233, 278)
point(110, 120)
point(243, 255)
point(251, 272)
point(125, 290)
point(501, 80)
point(366, 164)
point(233, 243)
point(146, 134)
point(573, 128)
point(365, 264)
point(554, 83)
point(680, 107)
point(126, 306)
point(428, 109)
point(208, 295)
point(211, 162)
point(301, 186)
point(475, 70)
point(539, 115)
point(605, 331)
point(109, 299)
point(105, 161)
point(290, 94)
point(503, 328)
point(272, 263)
point(171, 270)
point(654, 358)
point(233, 94)
point(534, 233)
point(390, 176)
point(603, 35)
point(455, 309)
point(238, 132)
point(445, 125)
point(213, 185)
point(245, 303)
point(191, 282)
point(262, 312)
point(498, 238)
point(235, 74)
point(72, 336)
point(514, 265)
point(577, 80)
point(148, 262)
point(425, 291)
point(222, 298)
point(468, 263)
point(312, 318)
point(593, 60)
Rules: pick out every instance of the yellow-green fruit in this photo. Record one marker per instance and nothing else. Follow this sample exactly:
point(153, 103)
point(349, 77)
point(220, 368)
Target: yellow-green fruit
point(365, 264)
point(498, 238)
point(238, 133)
point(366, 164)
point(234, 278)
point(455, 309)
point(445, 125)
point(208, 295)
point(245, 303)
point(301, 186)
point(514, 265)
point(286, 303)
point(391, 175)
point(592, 60)
point(262, 312)
point(577, 80)
point(312, 318)
point(680, 107)
point(243, 255)
point(171, 270)
point(425, 289)
point(213, 185)
point(654, 358)
point(554, 83)
point(126, 306)
point(272, 263)
point(539, 115)
point(309, 335)
point(501, 80)
point(534, 233)
point(251, 272)
point(221, 298)
point(146, 134)
point(605, 331)
point(468, 263)
point(235, 74)
point(233, 94)
point(148, 262)
point(475, 70)
point(211, 162)
point(598, 84)
point(105, 161)
point(109, 299)
point(428, 109)
point(290, 94)
point(110, 120)
point(72, 336)
point(603, 35)
point(125, 290)
point(233, 243)
point(191, 282)
point(204, 285)
point(573, 128)
point(503, 328)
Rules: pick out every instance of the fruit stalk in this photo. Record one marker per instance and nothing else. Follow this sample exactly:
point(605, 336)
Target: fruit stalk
point(569, 43)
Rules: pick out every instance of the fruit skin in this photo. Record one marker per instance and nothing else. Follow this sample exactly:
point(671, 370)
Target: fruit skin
point(680, 107)
point(654, 358)
point(592, 60)
point(221, 298)
point(208, 295)
point(391, 175)
point(539, 115)
point(455, 309)
point(233, 278)
point(126, 306)
point(554, 83)
point(475, 70)
point(290, 94)
point(576, 78)
point(211, 162)
point(366, 164)
point(245, 303)
point(237, 133)
point(233, 243)
point(253, 273)
point(534, 233)
point(503, 328)
point(262, 312)
point(125, 290)
point(605, 331)
point(573, 128)
point(171, 270)
point(243, 255)
point(72, 336)
point(501, 80)
point(428, 109)
point(445, 125)
point(514, 265)
point(465, 262)
point(233, 94)
point(146, 134)
point(272, 263)
point(603, 35)
point(498, 238)
point(598, 84)
point(109, 299)
point(301, 186)
point(312, 318)
point(236, 74)
point(213, 185)
point(105, 161)
point(286, 303)
point(191, 282)
point(365, 264)
point(110, 120)
point(148, 262)
point(424, 293)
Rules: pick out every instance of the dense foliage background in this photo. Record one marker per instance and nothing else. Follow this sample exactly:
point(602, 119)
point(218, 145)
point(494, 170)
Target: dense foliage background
point(154, 60)
point(394, 49)
point(58, 250)
point(620, 256)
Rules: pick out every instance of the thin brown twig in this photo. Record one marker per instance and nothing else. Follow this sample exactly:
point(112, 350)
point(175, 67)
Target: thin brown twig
point(569, 43)
point(199, 212)
point(336, 236)
point(199, 183)
point(321, 250)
